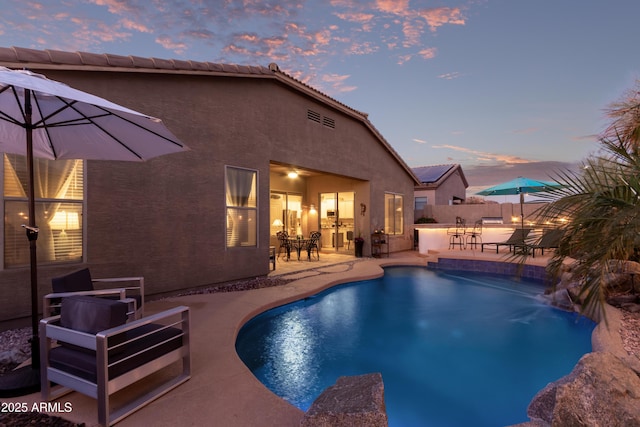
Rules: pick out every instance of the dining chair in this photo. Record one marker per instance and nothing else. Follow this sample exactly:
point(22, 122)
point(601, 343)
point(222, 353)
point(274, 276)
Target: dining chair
point(314, 238)
point(349, 239)
point(283, 242)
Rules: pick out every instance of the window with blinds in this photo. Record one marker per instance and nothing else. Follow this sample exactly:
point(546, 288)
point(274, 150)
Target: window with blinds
point(241, 206)
point(59, 198)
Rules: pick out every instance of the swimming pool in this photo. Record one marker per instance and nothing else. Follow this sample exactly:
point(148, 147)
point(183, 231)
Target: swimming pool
point(453, 349)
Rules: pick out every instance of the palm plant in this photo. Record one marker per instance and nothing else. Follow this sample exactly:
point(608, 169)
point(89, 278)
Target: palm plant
point(602, 205)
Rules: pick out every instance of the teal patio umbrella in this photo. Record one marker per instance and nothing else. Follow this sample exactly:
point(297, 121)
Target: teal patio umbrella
point(519, 186)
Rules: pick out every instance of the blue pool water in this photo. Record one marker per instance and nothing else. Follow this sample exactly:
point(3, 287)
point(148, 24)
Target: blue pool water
point(453, 349)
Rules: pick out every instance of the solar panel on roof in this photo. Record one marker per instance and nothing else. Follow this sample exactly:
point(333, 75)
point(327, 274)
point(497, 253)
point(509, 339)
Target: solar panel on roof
point(427, 174)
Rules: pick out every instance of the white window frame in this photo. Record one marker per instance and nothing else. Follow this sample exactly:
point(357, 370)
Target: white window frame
point(390, 223)
point(248, 209)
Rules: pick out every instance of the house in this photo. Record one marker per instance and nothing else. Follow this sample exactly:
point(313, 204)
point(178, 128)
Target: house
point(267, 153)
point(439, 185)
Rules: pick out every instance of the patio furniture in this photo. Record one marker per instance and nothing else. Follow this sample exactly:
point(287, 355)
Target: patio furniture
point(80, 283)
point(313, 244)
point(272, 257)
point(349, 239)
point(98, 354)
point(517, 239)
point(475, 235)
point(283, 243)
point(379, 245)
point(298, 243)
point(456, 234)
point(550, 240)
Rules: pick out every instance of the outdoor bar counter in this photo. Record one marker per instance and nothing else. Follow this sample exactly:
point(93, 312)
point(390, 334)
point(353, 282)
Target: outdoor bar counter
point(436, 236)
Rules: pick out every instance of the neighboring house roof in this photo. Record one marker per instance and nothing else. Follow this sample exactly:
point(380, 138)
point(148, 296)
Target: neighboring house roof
point(17, 57)
point(434, 176)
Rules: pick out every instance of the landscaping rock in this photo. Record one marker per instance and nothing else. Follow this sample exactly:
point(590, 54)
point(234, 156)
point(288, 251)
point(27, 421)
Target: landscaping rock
point(14, 355)
point(350, 402)
point(601, 391)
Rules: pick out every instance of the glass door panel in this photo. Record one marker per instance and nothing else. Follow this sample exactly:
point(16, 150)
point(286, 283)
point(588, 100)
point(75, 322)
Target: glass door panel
point(285, 211)
point(346, 223)
point(336, 219)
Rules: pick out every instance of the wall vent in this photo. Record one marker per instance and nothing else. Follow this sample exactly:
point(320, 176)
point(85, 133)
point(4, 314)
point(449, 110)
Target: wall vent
point(314, 116)
point(329, 122)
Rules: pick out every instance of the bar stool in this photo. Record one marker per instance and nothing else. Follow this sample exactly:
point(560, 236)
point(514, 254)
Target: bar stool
point(457, 234)
point(475, 235)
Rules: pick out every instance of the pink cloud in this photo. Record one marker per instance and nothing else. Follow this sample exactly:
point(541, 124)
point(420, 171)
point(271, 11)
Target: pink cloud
point(131, 25)
point(323, 37)
point(337, 82)
point(412, 32)
point(428, 53)
point(485, 156)
point(364, 48)
point(404, 58)
point(117, 7)
point(396, 7)
point(355, 17)
point(443, 15)
point(168, 43)
point(91, 31)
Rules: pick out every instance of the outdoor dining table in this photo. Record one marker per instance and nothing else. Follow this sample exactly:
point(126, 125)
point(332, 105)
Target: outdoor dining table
point(299, 243)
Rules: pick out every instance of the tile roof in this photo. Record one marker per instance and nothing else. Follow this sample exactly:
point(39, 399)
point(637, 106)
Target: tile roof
point(19, 57)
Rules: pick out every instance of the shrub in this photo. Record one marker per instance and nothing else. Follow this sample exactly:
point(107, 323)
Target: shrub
point(425, 220)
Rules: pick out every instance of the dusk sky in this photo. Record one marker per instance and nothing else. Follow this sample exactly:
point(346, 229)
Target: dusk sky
point(502, 87)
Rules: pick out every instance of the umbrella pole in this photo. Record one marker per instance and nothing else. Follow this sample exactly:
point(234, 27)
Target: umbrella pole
point(26, 380)
point(32, 235)
point(522, 210)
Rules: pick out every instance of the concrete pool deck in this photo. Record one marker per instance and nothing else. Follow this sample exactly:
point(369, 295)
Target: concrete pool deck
point(222, 391)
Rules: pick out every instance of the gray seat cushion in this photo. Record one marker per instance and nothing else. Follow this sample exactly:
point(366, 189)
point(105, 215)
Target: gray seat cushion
point(80, 281)
point(90, 314)
point(73, 282)
point(128, 357)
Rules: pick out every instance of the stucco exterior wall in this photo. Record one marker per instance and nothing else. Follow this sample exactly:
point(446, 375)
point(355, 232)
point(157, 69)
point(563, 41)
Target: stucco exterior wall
point(444, 193)
point(164, 219)
point(452, 187)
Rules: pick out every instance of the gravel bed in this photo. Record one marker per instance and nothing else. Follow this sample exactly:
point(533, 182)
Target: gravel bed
point(14, 348)
point(36, 419)
point(241, 285)
point(630, 332)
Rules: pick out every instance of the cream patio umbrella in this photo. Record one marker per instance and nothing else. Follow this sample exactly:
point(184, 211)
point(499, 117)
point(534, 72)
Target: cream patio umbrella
point(47, 119)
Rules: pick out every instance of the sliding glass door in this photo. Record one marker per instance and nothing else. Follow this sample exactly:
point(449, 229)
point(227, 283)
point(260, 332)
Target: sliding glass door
point(337, 220)
point(286, 213)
